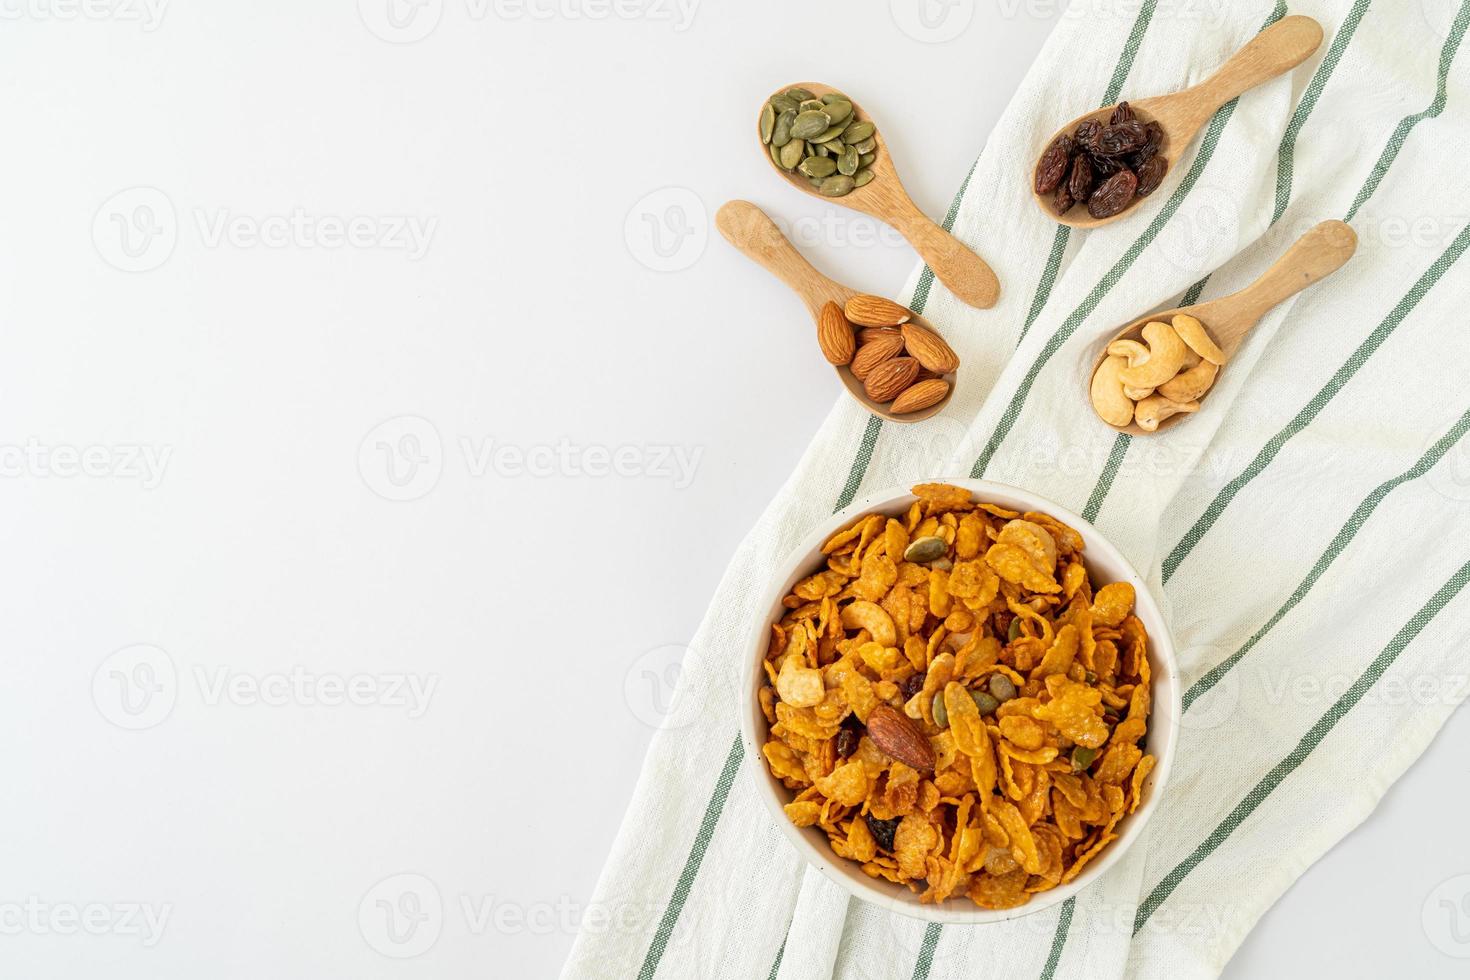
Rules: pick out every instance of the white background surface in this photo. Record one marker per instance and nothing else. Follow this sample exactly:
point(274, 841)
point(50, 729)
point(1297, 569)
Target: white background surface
point(272, 373)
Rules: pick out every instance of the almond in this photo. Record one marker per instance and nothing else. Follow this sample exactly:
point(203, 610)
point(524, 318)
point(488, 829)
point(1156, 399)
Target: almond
point(872, 354)
point(875, 311)
point(834, 335)
point(899, 738)
point(885, 381)
point(869, 334)
point(920, 395)
point(929, 348)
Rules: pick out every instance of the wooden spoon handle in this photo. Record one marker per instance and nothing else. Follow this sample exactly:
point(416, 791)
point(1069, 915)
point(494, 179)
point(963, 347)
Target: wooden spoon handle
point(962, 271)
point(752, 231)
point(1315, 256)
point(1276, 50)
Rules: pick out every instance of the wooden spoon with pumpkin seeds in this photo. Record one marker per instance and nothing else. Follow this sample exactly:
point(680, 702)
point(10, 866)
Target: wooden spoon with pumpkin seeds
point(872, 187)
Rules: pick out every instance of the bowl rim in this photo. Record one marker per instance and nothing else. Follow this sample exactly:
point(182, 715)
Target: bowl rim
point(811, 843)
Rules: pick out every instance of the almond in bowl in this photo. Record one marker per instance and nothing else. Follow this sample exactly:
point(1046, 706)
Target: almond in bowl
point(964, 699)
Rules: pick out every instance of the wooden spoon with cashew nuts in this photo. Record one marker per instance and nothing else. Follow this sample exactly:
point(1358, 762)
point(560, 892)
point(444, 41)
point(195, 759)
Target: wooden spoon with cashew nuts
point(1274, 51)
point(749, 229)
point(962, 271)
point(1158, 352)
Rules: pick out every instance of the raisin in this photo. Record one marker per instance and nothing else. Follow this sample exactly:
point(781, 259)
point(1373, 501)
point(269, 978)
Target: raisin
point(1113, 195)
point(847, 742)
point(1053, 164)
point(1123, 113)
point(1125, 137)
point(1079, 184)
point(1105, 166)
point(882, 831)
point(912, 685)
point(1151, 175)
point(1086, 133)
point(1064, 200)
point(1150, 147)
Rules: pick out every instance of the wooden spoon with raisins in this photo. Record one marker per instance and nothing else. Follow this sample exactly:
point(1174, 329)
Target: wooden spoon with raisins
point(1101, 164)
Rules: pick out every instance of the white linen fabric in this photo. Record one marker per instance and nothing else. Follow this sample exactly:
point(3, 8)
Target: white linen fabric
point(1306, 532)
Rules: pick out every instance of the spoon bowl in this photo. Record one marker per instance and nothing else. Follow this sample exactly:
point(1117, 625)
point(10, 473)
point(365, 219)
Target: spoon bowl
point(961, 271)
point(1274, 51)
point(750, 230)
point(1229, 320)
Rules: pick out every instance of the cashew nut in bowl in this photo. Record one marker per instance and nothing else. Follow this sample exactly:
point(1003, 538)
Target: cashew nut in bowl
point(1193, 333)
point(1137, 394)
point(1154, 409)
point(1108, 399)
point(1166, 354)
point(1190, 384)
point(871, 617)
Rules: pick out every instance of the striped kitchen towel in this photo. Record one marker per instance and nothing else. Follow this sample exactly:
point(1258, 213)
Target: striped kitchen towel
point(1306, 532)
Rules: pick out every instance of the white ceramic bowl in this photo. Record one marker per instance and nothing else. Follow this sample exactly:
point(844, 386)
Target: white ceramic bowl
point(1105, 564)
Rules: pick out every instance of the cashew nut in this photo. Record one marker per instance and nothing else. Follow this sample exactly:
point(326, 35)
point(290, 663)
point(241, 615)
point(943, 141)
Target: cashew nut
point(1131, 350)
point(1191, 383)
point(1166, 353)
point(799, 685)
point(1137, 394)
point(1108, 400)
point(871, 617)
point(1154, 409)
point(1193, 333)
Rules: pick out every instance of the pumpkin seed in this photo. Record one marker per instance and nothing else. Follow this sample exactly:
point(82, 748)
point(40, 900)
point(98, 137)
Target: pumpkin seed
point(791, 153)
point(837, 185)
point(847, 162)
point(925, 549)
point(768, 123)
point(985, 702)
point(776, 155)
point(860, 131)
point(1015, 631)
point(1002, 687)
point(1082, 758)
point(783, 102)
point(839, 111)
point(863, 145)
point(832, 97)
point(799, 94)
point(835, 147)
point(812, 104)
point(818, 149)
point(818, 167)
point(862, 178)
point(810, 123)
point(941, 713)
point(866, 159)
point(781, 134)
point(828, 134)
point(943, 564)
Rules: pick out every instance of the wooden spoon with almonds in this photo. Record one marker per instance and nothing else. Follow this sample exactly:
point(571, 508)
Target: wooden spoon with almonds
point(962, 271)
point(1225, 324)
point(750, 230)
point(1274, 51)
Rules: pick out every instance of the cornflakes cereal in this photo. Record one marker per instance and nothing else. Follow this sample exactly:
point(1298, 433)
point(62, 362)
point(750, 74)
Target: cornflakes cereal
point(1032, 689)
